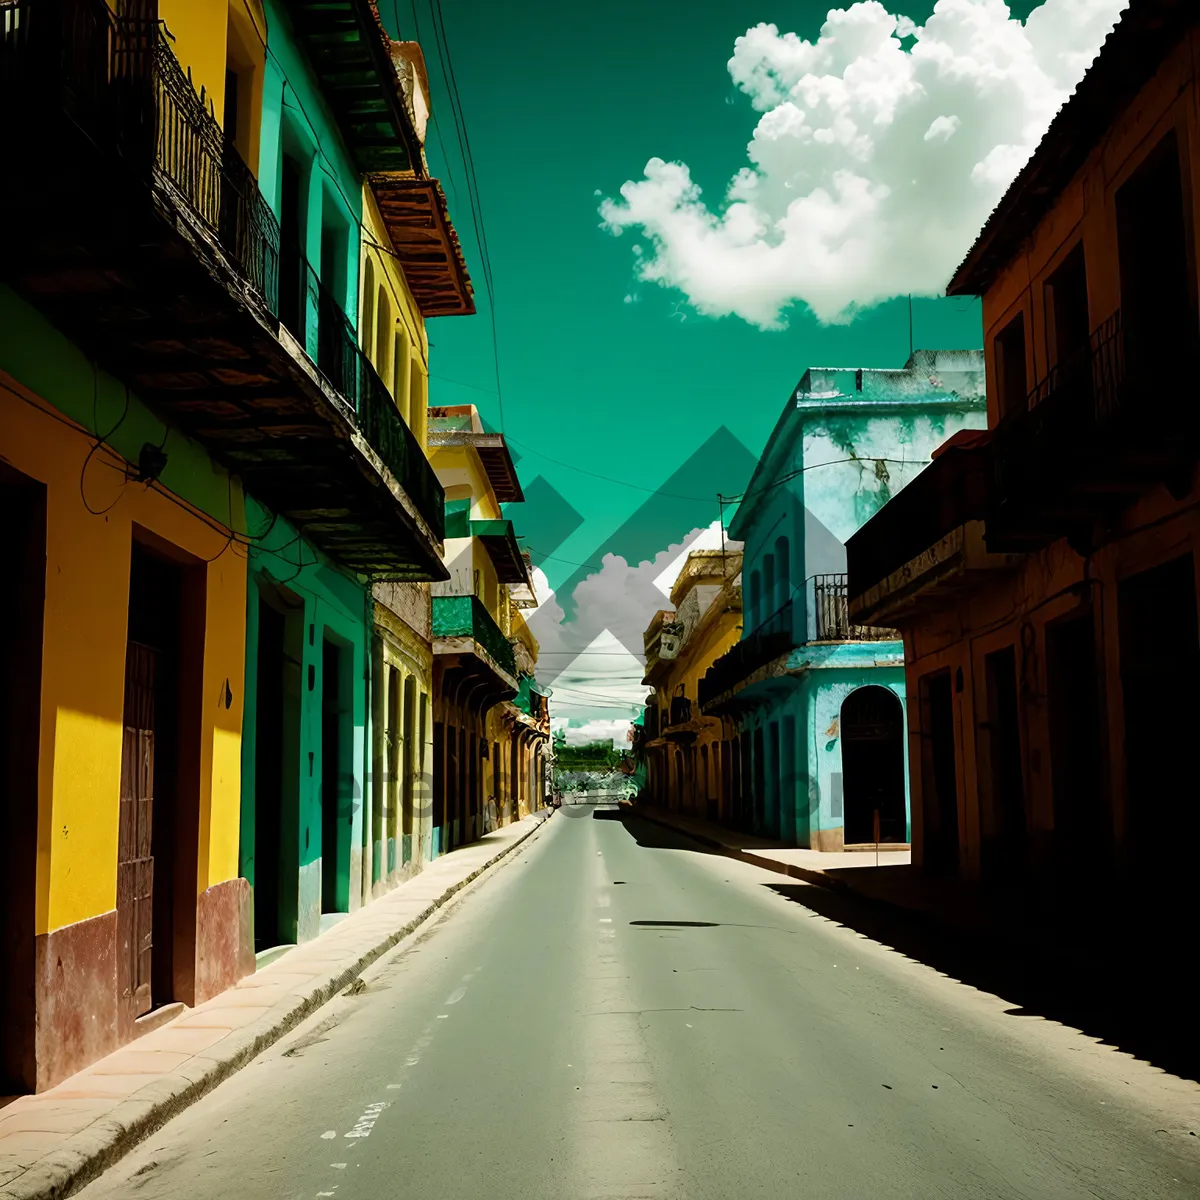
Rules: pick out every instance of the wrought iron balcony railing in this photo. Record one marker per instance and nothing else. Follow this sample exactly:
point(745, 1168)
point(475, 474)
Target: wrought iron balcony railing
point(467, 616)
point(118, 80)
point(772, 638)
point(948, 493)
point(1077, 402)
point(829, 616)
point(1108, 422)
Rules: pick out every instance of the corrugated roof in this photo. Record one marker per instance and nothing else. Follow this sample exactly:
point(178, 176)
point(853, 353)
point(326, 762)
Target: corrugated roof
point(1134, 50)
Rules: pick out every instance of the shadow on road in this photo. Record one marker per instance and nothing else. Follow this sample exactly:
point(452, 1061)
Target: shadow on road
point(1122, 982)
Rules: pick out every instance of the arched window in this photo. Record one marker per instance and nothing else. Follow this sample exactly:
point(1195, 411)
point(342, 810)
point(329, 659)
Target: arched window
point(400, 377)
point(768, 588)
point(367, 308)
point(383, 336)
point(783, 571)
point(755, 600)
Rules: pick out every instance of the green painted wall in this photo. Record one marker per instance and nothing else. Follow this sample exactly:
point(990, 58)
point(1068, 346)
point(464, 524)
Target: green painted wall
point(296, 119)
point(326, 606)
point(34, 352)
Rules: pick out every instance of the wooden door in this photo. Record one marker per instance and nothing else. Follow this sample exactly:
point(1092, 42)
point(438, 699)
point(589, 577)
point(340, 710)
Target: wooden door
point(135, 863)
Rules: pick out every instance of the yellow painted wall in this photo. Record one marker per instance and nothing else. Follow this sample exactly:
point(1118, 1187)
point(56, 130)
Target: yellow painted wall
point(200, 32)
point(521, 631)
point(457, 468)
point(83, 665)
point(410, 385)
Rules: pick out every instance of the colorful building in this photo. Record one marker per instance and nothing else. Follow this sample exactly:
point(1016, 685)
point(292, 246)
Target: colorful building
point(206, 476)
point(1044, 574)
point(819, 702)
point(481, 753)
point(689, 756)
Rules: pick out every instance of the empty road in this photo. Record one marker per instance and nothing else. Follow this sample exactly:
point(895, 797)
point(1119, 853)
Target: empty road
point(614, 1012)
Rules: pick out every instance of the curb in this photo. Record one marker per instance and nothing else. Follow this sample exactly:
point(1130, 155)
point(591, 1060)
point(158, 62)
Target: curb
point(819, 878)
point(87, 1154)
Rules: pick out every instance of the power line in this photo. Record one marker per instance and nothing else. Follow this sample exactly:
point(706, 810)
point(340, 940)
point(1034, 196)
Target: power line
point(477, 219)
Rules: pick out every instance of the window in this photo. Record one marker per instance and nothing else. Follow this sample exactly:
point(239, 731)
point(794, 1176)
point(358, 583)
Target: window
point(755, 599)
point(1155, 263)
point(418, 412)
point(401, 368)
point(1067, 309)
point(292, 293)
point(368, 309)
point(1012, 380)
point(383, 335)
point(783, 569)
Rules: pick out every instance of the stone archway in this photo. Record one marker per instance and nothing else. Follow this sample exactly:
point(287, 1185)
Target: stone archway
point(872, 725)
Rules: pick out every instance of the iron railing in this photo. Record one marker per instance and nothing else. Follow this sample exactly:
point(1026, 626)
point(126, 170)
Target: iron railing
point(650, 721)
point(119, 81)
point(681, 710)
point(351, 373)
point(772, 638)
point(829, 614)
point(467, 616)
point(1078, 403)
point(948, 493)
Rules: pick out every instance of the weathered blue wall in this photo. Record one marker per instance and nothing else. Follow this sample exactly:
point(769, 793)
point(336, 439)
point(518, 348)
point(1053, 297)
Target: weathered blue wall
point(847, 441)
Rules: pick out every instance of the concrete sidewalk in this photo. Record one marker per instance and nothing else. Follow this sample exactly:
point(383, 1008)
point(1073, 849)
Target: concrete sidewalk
point(891, 879)
point(55, 1142)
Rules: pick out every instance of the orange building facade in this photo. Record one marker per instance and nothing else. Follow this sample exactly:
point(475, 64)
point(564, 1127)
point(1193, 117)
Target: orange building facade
point(1044, 574)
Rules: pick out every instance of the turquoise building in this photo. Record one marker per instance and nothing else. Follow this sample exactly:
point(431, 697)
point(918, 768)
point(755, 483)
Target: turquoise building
point(368, 512)
point(816, 705)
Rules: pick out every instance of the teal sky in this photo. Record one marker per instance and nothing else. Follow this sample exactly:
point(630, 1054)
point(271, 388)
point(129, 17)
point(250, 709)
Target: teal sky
point(561, 102)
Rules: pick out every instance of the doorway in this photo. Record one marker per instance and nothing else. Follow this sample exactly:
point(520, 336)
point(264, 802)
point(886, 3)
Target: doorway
point(939, 787)
point(1076, 749)
point(1160, 652)
point(158, 828)
point(758, 773)
point(22, 614)
point(391, 787)
point(406, 769)
point(872, 724)
point(1005, 841)
point(276, 771)
point(788, 823)
point(336, 811)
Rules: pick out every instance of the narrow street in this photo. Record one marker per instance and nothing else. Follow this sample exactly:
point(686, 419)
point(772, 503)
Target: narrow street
point(613, 1012)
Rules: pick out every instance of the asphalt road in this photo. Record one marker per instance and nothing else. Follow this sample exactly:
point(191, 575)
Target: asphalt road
point(614, 1012)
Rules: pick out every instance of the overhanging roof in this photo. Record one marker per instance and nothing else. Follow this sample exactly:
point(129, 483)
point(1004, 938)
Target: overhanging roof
point(426, 243)
point(493, 455)
point(350, 53)
point(1132, 53)
point(500, 542)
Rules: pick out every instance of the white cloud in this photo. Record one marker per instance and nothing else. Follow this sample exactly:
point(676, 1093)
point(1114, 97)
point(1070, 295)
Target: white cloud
point(708, 539)
point(599, 731)
point(593, 663)
point(874, 163)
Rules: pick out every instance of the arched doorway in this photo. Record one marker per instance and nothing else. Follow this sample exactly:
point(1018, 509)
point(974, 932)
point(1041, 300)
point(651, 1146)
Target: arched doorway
point(872, 724)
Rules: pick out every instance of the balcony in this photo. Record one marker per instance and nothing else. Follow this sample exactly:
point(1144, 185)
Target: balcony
point(139, 232)
point(926, 545)
point(463, 625)
point(1101, 429)
point(829, 614)
point(773, 638)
